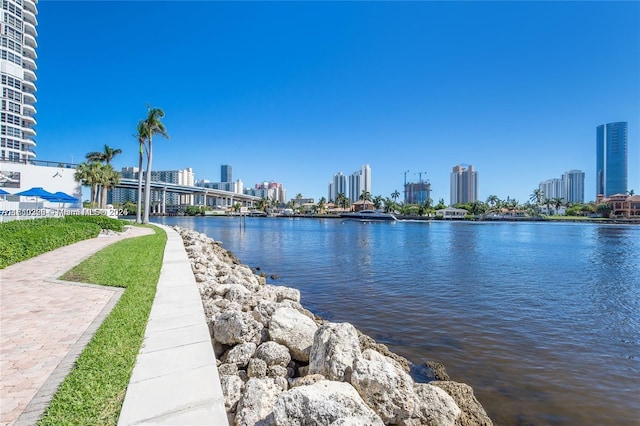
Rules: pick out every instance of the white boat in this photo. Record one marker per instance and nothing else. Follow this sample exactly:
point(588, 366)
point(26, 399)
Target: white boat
point(369, 215)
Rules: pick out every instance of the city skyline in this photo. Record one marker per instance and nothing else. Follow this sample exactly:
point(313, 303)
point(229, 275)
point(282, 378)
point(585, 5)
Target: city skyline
point(294, 91)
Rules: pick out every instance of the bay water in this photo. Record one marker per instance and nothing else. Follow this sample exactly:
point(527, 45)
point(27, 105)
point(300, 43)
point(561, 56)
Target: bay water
point(541, 319)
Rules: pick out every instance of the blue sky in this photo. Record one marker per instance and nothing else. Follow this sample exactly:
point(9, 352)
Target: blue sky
point(297, 91)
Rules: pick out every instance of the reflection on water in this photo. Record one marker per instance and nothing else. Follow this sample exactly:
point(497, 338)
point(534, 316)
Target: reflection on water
point(543, 320)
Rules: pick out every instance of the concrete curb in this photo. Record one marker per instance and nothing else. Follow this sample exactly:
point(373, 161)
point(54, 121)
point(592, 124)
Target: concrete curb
point(175, 379)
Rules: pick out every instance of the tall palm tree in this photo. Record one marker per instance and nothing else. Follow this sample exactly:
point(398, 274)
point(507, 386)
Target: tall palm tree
point(108, 178)
point(395, 195)
point(153, 126)
point(262, 204)
point(342, 200)
point(537, 196)
point(105, 156)
point(141, 136)
point(493, 201)
point(557, 202)
point(322, 204)
point(88, 174)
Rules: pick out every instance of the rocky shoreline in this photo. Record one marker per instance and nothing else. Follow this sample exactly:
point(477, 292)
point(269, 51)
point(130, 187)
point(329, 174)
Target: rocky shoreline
point(279, 364)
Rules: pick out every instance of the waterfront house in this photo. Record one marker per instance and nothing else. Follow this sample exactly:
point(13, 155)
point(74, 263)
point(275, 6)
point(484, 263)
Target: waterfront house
point(452, 213)
point(624, 205)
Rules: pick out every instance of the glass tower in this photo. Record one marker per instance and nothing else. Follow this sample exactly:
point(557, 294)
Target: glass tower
point(225, 173)
point(611, 159)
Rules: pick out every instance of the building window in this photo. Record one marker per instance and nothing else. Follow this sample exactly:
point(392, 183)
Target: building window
point(9, 143)
point(9, 6)
point(11, 57)
point(12, 33)
point(11, 94)
point(10, 131)
point(10, 118)
point(17, 47)
point(12, 82)
point(11, 20)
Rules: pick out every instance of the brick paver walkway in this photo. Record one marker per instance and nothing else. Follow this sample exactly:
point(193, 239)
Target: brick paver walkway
point(45, 323)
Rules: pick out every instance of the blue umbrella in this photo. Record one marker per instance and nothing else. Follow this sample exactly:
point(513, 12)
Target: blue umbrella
point(61, 197)
point(37, 192)
point(3, 192)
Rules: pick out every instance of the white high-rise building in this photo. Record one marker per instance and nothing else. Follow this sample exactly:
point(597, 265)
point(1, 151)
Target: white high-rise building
point(464, 185)
point(573, 186)
point(18, 75)
point(359, 181)
point(551, 188)
point(337, 185)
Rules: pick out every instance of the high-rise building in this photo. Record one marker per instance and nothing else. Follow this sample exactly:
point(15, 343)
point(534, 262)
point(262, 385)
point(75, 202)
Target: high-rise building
point(551, 188)
point(570, 187)
point(270, 190)
point(359, 182)
point(225, 173)
point(18, 76)
point(611, 159)
point(464, 185)
point(573, 186)
point(337, 186)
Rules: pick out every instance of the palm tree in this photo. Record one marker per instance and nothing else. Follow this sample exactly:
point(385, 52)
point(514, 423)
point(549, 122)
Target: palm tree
point(141, 136)
point(537, 196)
point(557, 202)
point(88, 174)
point(493, 201)
point(322, 204)
point(262, 204)
point(378, 201)
point(395, 195)
point(153, 126)
point(108, 178)
point(342, 200)
point(105, 156)
point(365, 195)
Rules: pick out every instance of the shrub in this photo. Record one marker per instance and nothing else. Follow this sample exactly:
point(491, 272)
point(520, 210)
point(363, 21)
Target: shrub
point(24, 239)
point(104, 222)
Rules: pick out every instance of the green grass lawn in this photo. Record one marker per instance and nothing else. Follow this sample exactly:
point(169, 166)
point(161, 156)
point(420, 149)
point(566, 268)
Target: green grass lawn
point(93, 392)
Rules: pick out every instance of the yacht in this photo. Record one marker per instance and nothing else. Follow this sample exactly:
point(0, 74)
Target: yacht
point(369, 215)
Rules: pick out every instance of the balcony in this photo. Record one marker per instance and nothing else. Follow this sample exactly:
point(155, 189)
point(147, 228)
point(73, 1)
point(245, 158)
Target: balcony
point(30, 17)
point(29, 75)
point(28, 86)
point(30, 40)
point(29, 52)
point(28, 120)
point(29, 98)
point(28, 132)
point(29, 63)
point(30, 29)
point(28, 109)
point(28, 142)
point(30, 6)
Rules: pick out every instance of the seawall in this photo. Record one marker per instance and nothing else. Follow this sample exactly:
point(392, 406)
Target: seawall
point(279, 364)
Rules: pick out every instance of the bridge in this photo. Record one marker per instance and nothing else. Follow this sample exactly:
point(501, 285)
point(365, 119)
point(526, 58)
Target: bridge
point(162, 188)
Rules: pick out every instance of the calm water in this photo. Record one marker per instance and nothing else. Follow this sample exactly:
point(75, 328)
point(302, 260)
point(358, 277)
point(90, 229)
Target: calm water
point(542, 320)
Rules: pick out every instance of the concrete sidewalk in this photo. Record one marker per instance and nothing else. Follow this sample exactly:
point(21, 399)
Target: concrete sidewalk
point(46, 323)
point(175, 380)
